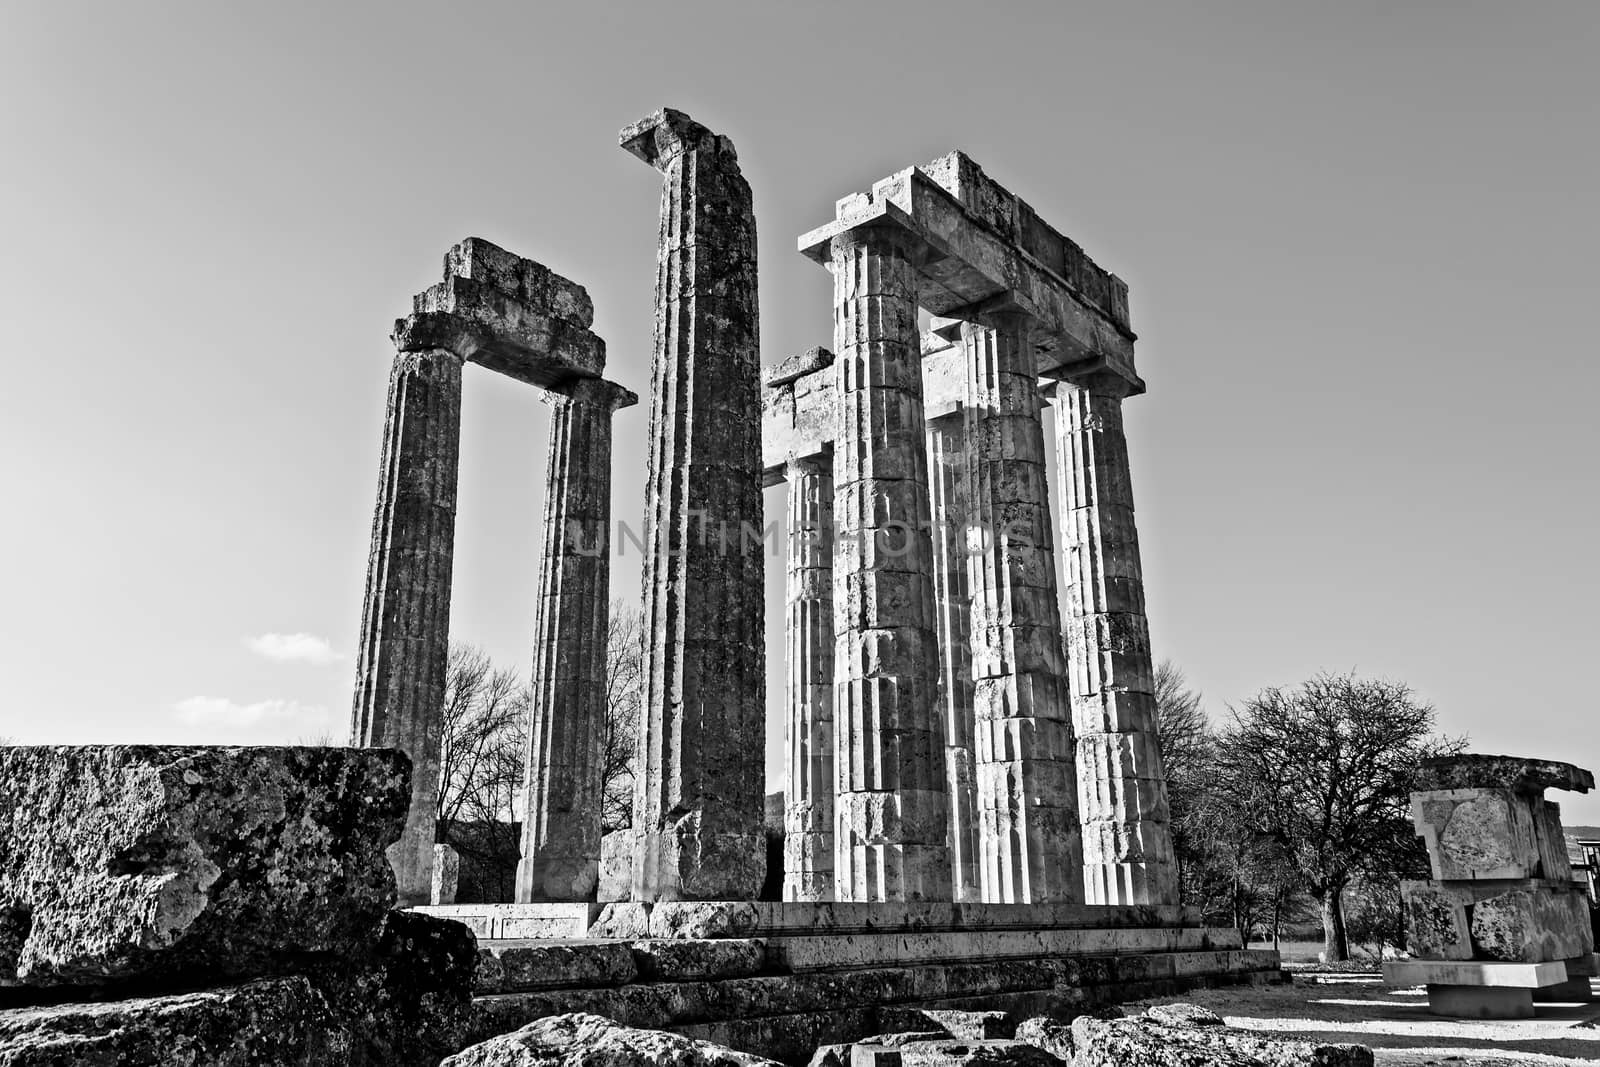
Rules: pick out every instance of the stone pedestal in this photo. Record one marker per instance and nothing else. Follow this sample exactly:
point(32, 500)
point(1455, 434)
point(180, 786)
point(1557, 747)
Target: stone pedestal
point(699, 798)
point(808, 742)
point(561, 830)
point(1122, 790)
point(405, 620)
point(891, 820)
point(947, 496)
point(1026, 786)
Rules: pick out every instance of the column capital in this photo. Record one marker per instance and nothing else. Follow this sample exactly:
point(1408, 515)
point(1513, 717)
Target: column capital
point(815, 463)
point(1100, 382)
point(668, 133)
point(440, 330)
point(590, 392)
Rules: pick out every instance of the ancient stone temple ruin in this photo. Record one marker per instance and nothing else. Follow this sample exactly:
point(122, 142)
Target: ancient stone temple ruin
point(976, 808)
point(1502, 922)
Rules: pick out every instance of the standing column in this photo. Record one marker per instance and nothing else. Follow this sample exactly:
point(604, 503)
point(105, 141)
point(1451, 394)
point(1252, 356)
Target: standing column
point(561, 827)
point(1027, 790)
point(947, 494)
point(891, 818)
point(698, 803)
point(808, 742)
point(1122, 793)
point(405, 619)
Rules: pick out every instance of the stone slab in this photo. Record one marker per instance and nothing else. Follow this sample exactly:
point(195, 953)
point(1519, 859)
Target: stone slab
point(518, 966)
point(971, 1025)
point(680, 959)
point(1126, 1042)
point(1479, 833)
point(520, 921)
point(827, 952)
point(1469, 771)
point(1480, 1002)
point(182, 864)
point(1474, 973)
point(1511, 920)
point(591, 1040)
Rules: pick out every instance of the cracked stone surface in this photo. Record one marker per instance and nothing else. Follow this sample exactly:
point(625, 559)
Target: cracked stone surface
point(160, 864)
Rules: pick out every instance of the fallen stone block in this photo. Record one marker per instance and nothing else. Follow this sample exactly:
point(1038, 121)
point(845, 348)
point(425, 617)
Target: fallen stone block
point(968, 1025)
point(1181, 1015)
point(1469, 771)
point(578, 1040)
point(167, 864)
point(1531, 925)
point(835, 1055)
point(1049, 1035)
point(406, 1000)
point(1127, 1042)
point(884, 1050)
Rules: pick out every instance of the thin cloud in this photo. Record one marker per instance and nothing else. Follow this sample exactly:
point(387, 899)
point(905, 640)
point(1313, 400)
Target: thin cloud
point(293, 648)
point(224, 712)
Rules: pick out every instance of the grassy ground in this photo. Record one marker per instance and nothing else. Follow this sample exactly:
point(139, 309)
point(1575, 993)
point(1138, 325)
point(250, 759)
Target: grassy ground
point(1396, 1024)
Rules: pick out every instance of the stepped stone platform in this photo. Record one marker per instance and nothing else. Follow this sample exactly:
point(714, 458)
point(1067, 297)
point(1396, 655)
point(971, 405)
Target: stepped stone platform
point(780, 980)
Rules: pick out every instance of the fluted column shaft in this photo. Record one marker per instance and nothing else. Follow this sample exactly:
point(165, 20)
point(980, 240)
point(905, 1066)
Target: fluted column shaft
point(891, 814)
point(562, 789)
point(808, 740)
point(1027, 790)
point(947, 494)
point(699, 798)
point(404, 645)
point(1122, 793)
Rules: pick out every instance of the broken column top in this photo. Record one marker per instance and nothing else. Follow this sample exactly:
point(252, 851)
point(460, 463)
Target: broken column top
point(797, 366)
point(507, 313)
point(1470, 771)
point(666, 133)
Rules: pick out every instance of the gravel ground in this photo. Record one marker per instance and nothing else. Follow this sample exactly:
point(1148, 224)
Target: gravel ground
point(1396, 1023)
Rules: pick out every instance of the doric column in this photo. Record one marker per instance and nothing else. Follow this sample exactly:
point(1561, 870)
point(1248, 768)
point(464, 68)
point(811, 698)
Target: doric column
point(1027, 792)
point(808, 740)
point(891, 815)
point(1122, 794)
point(562, 790)
point(405, 620)
point(947, 496)
point(698, 803)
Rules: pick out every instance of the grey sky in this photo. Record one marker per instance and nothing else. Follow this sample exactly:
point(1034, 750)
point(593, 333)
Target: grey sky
point(1360, 239)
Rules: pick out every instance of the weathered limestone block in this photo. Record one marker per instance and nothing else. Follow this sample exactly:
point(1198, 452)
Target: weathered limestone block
point(834, 1055)
point(161, 864)
point(1182, 1015)
point(403, 998)
point(1472, 771)
point(1051, 1035)
point(697, 807)
point(405, 618)
point(892, 812)
point(446, 875)
point(1121, 1042)
point(1437, 927)
point(563, 787)
point(1530, 925)
point(1027, 797)
point(517, 966)
point(617, 850)
point(686, 959)
point(1480, 833)
point(702, 920)
point(579, 1040)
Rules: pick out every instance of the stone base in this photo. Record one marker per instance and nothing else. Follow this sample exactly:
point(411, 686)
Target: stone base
point(1475, 973)
point(1579, 990)
point(1480, 1002)
point(781, 980)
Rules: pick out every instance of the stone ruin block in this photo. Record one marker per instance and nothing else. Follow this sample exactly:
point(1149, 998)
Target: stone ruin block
point(1530, 921)
point(243, 893)
point(1481, 833)
point(144, 862)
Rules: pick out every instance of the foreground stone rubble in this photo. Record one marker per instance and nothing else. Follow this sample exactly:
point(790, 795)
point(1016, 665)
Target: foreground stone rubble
point(246, 888)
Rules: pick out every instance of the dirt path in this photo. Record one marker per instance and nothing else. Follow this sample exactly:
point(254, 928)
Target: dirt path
point(1396, 1024)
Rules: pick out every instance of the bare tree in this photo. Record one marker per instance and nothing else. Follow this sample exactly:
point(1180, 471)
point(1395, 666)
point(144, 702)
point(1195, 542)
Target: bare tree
point(1185, 738)
point(1320, 776)
point(482, 756)
point(624, 699)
